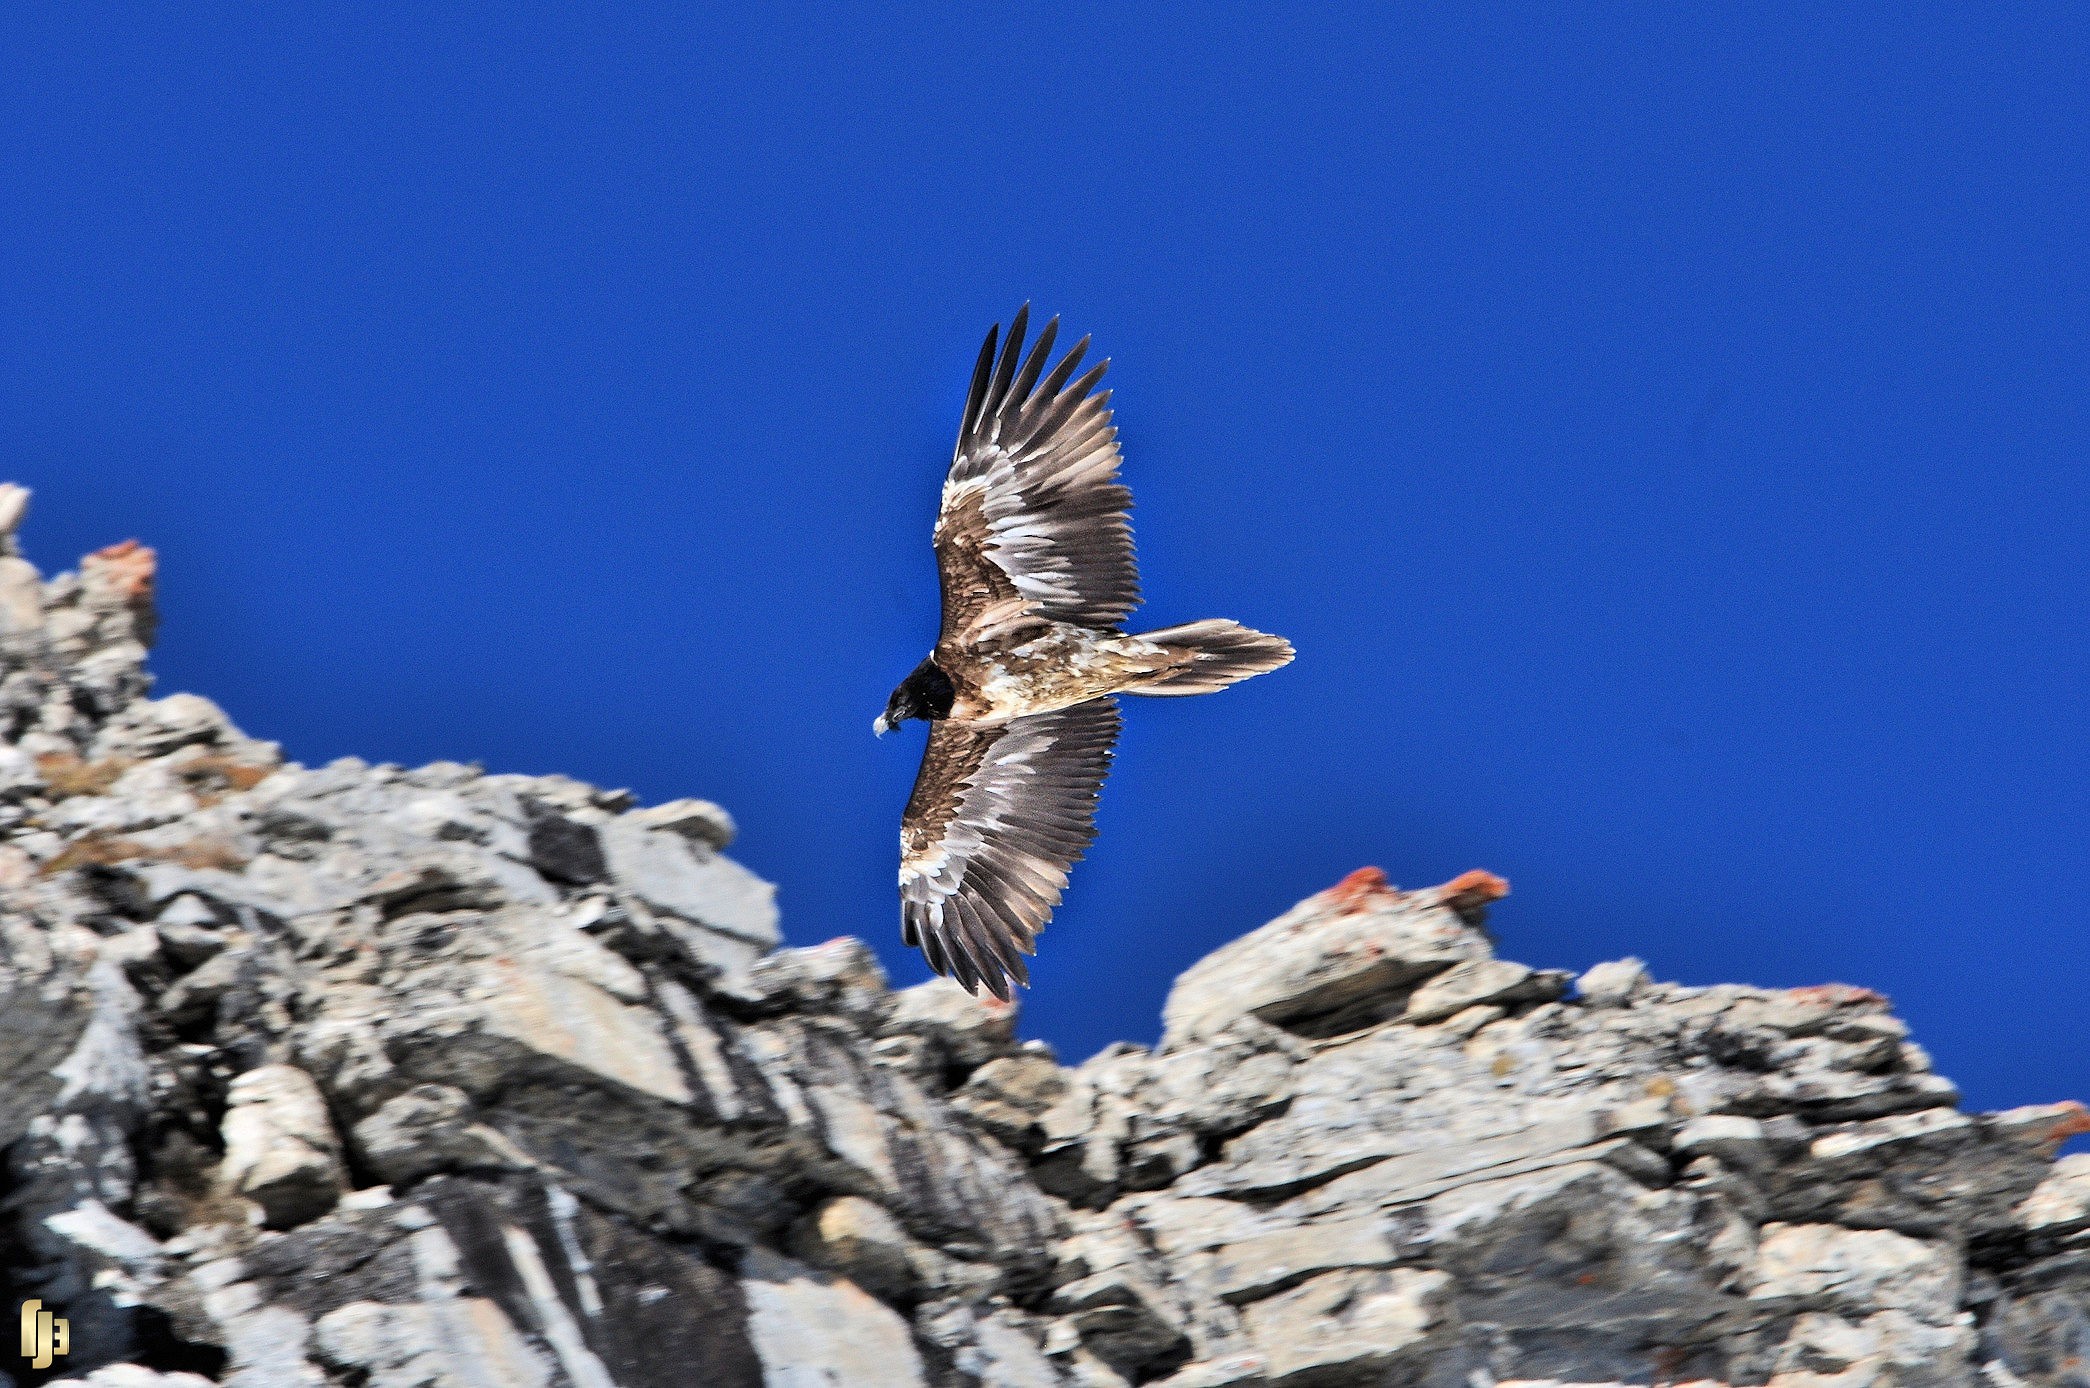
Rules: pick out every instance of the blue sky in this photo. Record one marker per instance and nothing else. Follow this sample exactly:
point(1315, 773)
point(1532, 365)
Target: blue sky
point(1662, 436)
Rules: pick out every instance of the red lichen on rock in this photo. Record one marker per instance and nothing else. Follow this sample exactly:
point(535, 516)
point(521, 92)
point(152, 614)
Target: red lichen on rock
point(1359, 890)
point(128, 567)
point(1468, 894)
point(1478, 885)
point(125, 573)
point(2074, 1123)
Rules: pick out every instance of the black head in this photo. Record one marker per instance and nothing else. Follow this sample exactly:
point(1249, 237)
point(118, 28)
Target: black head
point(927, 693)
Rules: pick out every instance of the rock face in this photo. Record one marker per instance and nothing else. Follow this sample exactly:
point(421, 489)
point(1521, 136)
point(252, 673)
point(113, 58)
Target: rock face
point(365, 1076)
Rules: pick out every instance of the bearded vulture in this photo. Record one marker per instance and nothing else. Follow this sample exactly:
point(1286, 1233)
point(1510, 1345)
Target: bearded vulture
point(1035, 555)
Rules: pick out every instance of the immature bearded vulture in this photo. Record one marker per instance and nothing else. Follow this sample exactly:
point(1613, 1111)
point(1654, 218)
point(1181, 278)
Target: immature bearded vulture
point(1035, 555)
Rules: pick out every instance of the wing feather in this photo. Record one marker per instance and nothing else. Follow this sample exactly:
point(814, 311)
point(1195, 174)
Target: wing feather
point(997, 817)
point(1032, 509)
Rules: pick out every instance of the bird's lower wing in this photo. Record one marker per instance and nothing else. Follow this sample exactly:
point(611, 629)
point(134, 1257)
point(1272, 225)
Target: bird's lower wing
point(997, 817)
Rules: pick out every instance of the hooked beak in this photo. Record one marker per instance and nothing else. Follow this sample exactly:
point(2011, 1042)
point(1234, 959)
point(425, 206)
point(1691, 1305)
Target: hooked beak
point(880, 726)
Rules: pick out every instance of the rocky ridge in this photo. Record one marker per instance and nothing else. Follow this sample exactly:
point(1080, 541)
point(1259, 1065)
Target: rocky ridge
point(361, 1075)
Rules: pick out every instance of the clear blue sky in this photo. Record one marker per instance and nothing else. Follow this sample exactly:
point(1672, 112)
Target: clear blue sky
point(1663, 438)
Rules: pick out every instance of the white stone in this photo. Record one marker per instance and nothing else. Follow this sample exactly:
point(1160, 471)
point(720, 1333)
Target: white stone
point(1862, 1270)
point(1613, 983)
point(280, 1148)
point(2061, 1203)
point(1351, 1326)
point(1736, 1140)
point(693, 819)
point(815, 1331)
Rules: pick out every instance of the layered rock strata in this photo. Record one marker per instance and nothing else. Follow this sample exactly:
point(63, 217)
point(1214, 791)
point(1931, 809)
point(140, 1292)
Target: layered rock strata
point(360, 1075)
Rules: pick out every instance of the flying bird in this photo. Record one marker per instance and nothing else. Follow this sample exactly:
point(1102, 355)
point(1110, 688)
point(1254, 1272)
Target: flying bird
point(1034, 553)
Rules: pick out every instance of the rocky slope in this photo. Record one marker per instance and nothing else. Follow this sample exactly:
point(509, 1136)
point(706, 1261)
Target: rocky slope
point(403, 1079)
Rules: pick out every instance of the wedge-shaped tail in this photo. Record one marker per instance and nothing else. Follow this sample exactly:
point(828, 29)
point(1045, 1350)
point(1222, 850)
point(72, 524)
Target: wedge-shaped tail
point(1222, 652)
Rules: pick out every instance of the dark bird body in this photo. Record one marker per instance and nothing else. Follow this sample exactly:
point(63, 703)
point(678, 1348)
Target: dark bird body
point(1035, 555)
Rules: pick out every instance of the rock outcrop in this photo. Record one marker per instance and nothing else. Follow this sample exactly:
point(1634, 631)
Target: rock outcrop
point(360, 1075)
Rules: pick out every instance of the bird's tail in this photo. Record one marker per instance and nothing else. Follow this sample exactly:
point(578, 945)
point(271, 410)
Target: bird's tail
point(1222, 653)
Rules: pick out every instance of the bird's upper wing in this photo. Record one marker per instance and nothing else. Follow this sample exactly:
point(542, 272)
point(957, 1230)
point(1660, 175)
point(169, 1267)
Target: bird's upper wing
point(1033, 518)
point(997, 816)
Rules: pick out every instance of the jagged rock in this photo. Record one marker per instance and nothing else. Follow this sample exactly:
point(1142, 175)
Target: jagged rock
point(856, 1239)
point(364, 1077)
point(1350, 954)
point(45, 1009)
point(449, 1342)
point(1010, 1095)
point(1482, 983)
point(693, 819)
point(1613, 983)
point(842, 977)
point(187, 931)
point(2061, 1202)
point(989, 1345)
point(1353, 1326)
point(963, 1032)
point(676, 876)
point(1863, 1270)
point(1124, 1318)
point(812, 1329)
point(430, 1128)
point(280, 1148)
point(1264, 1263)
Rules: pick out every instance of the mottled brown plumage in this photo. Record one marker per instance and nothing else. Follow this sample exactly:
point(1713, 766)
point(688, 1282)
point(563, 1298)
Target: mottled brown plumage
point(1034, 551)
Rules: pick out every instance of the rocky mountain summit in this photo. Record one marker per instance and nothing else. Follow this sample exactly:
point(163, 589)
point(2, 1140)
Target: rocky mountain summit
point(432, 1078)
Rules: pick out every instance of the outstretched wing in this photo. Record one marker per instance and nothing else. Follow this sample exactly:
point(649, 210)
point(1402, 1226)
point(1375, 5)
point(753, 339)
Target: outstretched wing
point(997, 817)
point(1033, 518)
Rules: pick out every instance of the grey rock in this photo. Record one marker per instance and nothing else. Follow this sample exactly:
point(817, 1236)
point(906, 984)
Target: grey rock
point(693, 819)
point(855, 1239)
point(965, 1031)
point(810, 1329)
point(1010, 1095)
point(566, 850)
point(1481, 983)
point(673, 875)
point(184, 941)
point(432, 1128)
point(514, 1085)
point(1348, 954)
point(1125, 1318)
point(280, 1147)
point(989, 1345)
point(1353, 1326)
point(1855, 1270)
point(14, 504)
point(1270, 1262)
point(2060, 1204)
point(840, 977)
point(19, 775)
point(454, 1342)
point(1612, 984)
point(195, 997)
point(1740, 1142)
point(46, 1007)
